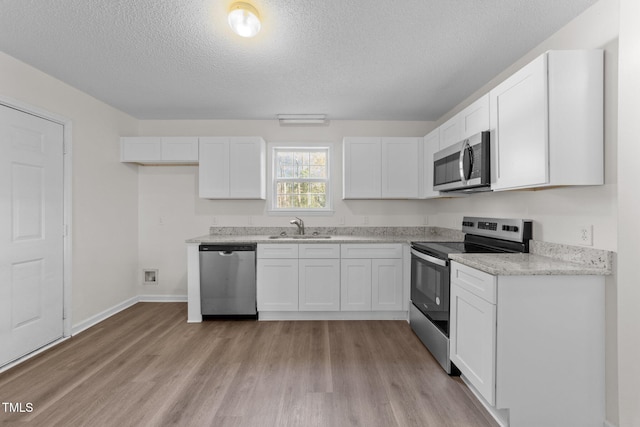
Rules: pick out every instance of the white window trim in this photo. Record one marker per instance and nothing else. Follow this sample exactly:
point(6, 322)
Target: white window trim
point(271, 209)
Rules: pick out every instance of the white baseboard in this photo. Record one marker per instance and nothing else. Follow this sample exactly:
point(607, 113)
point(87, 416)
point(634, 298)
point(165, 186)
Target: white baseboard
point(32, 354)
point(500, 416)
point(93, 320)
point(122, 306)
point(332, 315)
point(162, 298)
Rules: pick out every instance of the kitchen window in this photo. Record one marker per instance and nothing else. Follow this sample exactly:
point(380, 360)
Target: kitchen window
point(301, 179)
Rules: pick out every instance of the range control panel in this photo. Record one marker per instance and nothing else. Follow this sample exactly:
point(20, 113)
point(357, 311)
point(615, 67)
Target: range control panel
point(517, 230)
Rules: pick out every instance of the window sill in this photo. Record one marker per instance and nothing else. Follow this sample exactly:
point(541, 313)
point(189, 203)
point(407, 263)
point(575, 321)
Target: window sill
point(300, 212)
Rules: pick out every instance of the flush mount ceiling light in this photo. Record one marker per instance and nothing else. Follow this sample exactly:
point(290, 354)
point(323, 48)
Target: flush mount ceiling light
point(244, 19)
point(302, 119)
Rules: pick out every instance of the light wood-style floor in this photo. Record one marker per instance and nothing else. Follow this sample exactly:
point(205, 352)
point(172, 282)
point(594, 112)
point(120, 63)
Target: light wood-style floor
point(146, 366)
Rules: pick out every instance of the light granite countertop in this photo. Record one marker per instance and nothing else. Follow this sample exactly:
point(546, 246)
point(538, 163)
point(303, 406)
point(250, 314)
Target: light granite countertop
point(239, 235)
point(527, 265)
point(544, 258)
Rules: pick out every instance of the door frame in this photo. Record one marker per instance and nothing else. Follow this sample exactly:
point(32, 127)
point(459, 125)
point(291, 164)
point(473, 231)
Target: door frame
point(67, 202)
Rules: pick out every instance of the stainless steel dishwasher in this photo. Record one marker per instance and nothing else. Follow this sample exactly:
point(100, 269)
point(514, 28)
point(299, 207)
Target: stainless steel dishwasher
point(228, 280)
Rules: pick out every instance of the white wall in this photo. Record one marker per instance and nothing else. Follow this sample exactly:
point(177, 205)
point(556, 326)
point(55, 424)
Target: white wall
point(629, 212)
point(105, 211)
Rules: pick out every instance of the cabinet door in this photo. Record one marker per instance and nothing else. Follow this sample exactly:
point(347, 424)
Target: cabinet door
point(362, 168)
point(473, 340)
point(400, 167)
point(386, 285)
point(319, 284)
point(450, 132)
point(180, 149)
point(140, 149)
point(355, 285)
point(431, 145)
point(475, 118)
point(247, 168)
point(519, 120)
point(213, 172)
point(277, 284)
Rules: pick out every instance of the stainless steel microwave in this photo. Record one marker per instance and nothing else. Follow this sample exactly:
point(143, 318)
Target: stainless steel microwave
point(464, 166)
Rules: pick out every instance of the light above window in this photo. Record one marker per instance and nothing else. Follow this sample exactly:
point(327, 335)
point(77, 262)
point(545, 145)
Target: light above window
point(244, 19)
point(302, 119)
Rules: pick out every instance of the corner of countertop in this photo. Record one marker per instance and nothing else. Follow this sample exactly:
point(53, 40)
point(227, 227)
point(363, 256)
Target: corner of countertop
point(596, 258)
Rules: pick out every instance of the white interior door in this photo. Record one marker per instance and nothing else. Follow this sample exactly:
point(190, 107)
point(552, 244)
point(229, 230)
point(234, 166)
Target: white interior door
point(31, 233)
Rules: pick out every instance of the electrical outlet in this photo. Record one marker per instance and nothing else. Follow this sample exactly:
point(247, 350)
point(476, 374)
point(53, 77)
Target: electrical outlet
point(585, 235)
point(365, 220)
point(214, 220)
point(425, 220)
point(341, 220)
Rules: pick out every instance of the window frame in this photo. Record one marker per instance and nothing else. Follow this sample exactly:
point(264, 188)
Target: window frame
point(272, 194)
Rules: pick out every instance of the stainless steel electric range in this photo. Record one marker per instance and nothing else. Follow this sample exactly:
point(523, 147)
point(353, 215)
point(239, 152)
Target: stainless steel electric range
point(430, 275)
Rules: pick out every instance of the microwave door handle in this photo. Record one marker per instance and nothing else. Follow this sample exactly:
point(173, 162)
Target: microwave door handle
point(463, 177)
point(464, 174)
point(428, 258)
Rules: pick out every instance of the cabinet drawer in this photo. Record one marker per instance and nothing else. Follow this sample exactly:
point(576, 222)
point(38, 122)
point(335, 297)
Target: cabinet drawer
point(371, 251)
point(475, 281)
point(278, 251)
point(319, 250)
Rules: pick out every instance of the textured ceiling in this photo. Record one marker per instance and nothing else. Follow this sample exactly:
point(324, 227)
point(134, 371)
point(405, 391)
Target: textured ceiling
point(349, 59)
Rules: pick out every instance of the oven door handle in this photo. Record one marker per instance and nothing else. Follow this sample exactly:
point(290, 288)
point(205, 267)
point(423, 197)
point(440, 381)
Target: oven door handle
point(429, 258)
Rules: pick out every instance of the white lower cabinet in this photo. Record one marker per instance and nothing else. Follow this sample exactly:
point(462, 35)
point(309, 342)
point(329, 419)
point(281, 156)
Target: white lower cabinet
point(355, 285)
point(293, 277)
point(325, 277)
point(386, 284)
point(277, 277)
point(319, 284)
point(371, 277)
point(531, 346)
point(473, 340)
point(278, 290)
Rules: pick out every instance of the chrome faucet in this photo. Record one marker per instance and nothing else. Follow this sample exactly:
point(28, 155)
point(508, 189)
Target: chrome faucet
point(300, 223)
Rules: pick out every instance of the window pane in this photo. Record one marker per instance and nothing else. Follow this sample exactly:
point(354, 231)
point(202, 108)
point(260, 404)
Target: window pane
point(318, 158)
point(317, 172)
point(318, 188)
point(319, 201)
point(297, 167)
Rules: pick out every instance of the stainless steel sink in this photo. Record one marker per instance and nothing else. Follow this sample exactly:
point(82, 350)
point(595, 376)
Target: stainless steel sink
point(301, 236)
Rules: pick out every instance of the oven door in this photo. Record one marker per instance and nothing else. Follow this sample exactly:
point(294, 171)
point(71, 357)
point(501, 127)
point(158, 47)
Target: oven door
point(430, 288)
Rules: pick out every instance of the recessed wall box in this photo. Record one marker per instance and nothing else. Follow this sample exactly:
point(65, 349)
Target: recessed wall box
point(150, 276)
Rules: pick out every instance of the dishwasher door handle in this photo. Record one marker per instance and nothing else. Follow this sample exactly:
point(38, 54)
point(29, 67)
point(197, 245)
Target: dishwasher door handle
point(225, 253)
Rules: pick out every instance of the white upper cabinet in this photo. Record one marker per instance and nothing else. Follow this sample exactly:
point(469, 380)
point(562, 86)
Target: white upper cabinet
point(159, 150)
point(362, 168)
point(450, 132)
point(232, 168)
point(400, 168)
point(387, 168)
point(547, 122)
point(430, 145)
point(473, 119)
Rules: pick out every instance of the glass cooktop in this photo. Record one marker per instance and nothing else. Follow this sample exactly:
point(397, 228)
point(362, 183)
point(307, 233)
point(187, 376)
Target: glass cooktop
point(443, 249)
